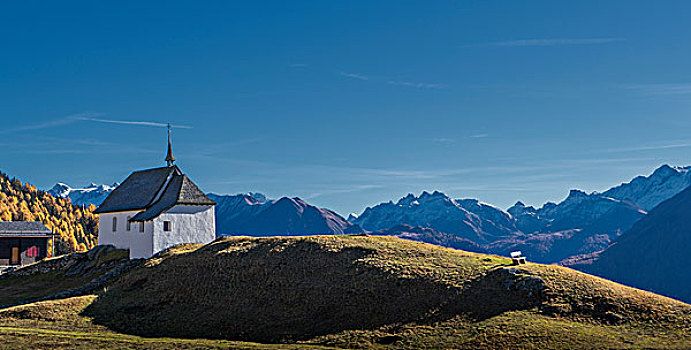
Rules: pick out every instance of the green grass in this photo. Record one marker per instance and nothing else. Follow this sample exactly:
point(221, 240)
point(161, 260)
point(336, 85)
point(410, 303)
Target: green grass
point(36, 338)
point(515, 329)
point(349, 292)
point(61, 324)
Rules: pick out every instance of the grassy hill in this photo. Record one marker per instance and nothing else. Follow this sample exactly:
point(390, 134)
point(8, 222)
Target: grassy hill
point(361, 292)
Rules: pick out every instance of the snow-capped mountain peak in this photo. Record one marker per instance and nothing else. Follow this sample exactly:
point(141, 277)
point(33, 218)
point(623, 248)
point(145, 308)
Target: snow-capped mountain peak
point(255, 197)
point(92, 194)
point(425, 198)
point(407, 200)
point(575, 195)
point(470, 218)
point(649, 191)
point(60, 190)
point(520, 209)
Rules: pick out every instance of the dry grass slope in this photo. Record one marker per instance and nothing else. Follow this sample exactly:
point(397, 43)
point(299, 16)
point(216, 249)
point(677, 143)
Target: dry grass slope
point(359, 291)
point(354, 292)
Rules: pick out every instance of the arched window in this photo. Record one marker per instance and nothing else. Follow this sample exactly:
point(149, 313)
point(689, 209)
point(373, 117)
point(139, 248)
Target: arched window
point(129, 224)
point(115, 224)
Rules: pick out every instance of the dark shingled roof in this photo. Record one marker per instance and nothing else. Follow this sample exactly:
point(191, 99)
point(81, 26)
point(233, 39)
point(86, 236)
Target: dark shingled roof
point(23, 228)
point(167, 201)
point(154, 191)
point(138, 191)
point(191, 194)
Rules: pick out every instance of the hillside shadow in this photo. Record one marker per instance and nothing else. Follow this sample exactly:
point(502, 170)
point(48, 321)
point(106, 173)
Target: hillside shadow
point(271, 292)
point(501, 290)
point(283, 291)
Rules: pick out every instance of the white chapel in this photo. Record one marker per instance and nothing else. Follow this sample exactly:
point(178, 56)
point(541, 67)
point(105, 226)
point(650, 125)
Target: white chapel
point(155, 209)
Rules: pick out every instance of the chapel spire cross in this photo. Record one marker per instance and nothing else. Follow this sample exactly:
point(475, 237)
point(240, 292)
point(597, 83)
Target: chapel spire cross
point(170, 159)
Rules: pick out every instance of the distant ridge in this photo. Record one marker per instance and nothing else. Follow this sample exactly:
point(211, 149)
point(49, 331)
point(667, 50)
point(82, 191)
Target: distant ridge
point(429, 235)
point(653, 255)
point(91, 194)
point(649, 191)
point(252, 214)
point(468, 219)
point(581, 223)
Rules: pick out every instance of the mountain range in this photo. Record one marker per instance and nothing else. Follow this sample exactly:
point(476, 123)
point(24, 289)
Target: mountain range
point(582, 223)
point(653, 254)
point(649, 191)
point(253, 214)
point(91, 194)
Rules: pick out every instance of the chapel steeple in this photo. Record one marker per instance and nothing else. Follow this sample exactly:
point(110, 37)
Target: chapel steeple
point(170, 159)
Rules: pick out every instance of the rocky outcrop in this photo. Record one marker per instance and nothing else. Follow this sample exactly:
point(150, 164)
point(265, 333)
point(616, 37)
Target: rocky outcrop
point(101, 258)
point(98, 266)
point(521, 280)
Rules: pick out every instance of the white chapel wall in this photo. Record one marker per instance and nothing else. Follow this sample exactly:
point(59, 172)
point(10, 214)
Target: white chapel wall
point(139, 243)
point(189, 224)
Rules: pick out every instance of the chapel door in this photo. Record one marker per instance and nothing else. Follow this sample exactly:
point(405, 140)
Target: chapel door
point(15, 256)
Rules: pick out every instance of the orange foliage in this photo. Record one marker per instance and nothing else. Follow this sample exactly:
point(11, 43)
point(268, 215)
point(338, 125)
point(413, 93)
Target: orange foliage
point(75, 226)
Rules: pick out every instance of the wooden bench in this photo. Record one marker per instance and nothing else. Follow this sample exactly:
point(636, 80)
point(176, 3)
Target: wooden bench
point(517, 259)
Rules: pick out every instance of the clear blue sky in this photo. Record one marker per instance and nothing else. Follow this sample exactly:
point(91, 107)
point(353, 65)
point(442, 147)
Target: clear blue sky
point(348, 103)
